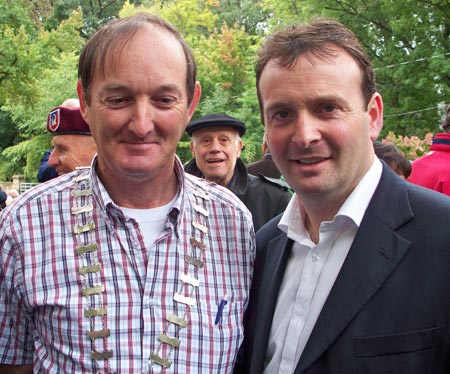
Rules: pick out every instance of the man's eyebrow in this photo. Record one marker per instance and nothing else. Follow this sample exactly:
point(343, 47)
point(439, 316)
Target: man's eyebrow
point(160, 89)
point(314, 100)
point(276, 105)
point(113, 88)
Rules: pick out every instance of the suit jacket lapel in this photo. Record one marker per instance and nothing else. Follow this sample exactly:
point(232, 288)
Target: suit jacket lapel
point(277, 255)
point(374, 254)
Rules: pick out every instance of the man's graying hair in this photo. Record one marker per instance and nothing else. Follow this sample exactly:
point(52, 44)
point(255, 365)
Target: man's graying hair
point(320, 39)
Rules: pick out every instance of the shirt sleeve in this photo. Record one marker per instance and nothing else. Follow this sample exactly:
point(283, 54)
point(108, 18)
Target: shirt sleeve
point(16, 343)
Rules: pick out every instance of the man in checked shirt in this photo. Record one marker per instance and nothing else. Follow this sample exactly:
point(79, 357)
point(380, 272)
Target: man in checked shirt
point(130, 266)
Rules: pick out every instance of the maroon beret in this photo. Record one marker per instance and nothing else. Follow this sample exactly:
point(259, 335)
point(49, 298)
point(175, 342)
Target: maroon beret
point(63, 120)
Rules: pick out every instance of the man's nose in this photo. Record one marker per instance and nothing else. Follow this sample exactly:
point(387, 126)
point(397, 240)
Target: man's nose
point(142, 121)
point(53, 160)
point(307, 130)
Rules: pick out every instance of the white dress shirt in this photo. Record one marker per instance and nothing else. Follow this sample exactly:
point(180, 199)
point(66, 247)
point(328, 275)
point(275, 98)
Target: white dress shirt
point(311, 272)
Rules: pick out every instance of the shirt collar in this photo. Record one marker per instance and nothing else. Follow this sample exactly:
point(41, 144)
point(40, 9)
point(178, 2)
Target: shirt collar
point(356, 204)
point(354, 207)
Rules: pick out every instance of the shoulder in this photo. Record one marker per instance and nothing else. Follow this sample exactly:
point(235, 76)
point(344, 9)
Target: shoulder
point(216, 194)
point(49, 198)
point(428, 199)
point(43, 191)
point(269, 231)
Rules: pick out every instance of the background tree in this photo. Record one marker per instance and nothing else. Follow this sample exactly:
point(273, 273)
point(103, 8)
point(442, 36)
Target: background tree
point(39, 72)
point(40, 40)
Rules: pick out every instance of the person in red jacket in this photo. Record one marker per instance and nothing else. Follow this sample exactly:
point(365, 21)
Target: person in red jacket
point(433, 169)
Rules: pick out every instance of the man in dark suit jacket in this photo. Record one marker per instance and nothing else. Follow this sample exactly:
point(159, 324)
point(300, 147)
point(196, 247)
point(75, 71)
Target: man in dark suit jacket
point(354, 276)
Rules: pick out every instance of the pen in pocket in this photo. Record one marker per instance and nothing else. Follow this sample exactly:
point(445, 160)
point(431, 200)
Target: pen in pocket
point(222, 304)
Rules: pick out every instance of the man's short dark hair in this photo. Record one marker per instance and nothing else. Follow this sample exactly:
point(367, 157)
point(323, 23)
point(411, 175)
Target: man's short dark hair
point(319, 39)
point(113, 37)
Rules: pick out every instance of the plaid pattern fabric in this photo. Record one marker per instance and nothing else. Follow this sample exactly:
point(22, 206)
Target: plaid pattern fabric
point(41, 306)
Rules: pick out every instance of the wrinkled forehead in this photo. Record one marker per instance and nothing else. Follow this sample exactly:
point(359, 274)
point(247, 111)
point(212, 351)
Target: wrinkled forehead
point(65, 140)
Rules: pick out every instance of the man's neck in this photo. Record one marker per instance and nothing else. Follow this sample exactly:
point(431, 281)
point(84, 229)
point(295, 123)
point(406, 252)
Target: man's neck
point(142, 194)
point(316, 212)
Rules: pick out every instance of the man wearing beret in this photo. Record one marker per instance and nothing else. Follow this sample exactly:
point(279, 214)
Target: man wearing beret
point(73, 145)
point(216, 146)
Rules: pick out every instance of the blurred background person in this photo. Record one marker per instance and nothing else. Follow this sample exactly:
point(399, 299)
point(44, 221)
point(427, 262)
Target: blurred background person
point(265, 164)
point(393, 157)
point(45, 172)
point(11, 195)
point(73, 145)
point(3, 197)
point(433, 169)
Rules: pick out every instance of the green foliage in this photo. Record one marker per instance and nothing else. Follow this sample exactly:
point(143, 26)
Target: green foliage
point(184, 150)
point(408, 41)
point(45, 74)
point(249, 14)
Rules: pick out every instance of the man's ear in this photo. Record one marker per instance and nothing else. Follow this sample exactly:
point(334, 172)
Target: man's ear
point(191, 145)
point(239, 147)
point(375, 111)
point(195, 99)
point(82, 100)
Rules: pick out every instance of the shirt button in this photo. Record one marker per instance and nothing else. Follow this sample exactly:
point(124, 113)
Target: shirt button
point(315, 257)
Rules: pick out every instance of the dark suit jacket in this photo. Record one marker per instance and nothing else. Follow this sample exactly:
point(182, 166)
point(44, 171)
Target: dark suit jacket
point(389, 309)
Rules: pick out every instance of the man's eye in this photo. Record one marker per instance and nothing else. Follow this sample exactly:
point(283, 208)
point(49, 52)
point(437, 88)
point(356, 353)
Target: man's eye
point(329, 108)
point(115, 101)
point(167, 100)
point(282, 114)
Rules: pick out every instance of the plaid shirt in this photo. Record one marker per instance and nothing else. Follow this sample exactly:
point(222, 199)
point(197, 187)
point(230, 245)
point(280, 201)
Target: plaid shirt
point(42, 317)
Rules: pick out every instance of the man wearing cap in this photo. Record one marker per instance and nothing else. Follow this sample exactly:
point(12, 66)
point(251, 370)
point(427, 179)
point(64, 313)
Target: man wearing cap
point(73, 145)
point(216, 146)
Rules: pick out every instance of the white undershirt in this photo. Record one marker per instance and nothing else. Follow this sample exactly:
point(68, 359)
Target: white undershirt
point(311, 272)
point(151, 221)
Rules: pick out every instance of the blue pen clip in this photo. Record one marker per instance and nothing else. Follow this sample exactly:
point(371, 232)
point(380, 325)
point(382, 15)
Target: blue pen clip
point(222, 304)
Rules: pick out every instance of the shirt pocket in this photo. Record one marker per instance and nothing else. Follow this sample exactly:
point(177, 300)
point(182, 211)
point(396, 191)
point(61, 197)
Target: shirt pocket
point(221, 339)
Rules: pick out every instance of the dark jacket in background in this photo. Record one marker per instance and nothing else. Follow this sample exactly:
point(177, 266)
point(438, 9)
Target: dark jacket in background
point(264, 166)
point(264, 198)
point(45, 172)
